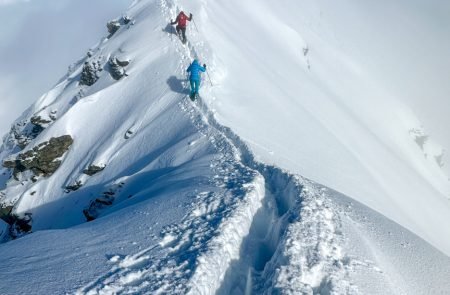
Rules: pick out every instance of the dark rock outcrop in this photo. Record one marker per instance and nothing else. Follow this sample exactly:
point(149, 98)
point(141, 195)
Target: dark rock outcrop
point(90, 73)
point(126, 19)
point(113, 26)
point(42, 159)
point(122, 62)
point(74, 187)
point(22, 133)
point(93, 169)
point(5, 212)
point(117, 67)
point(39, 121)
point(18, 225)
point(107, 199)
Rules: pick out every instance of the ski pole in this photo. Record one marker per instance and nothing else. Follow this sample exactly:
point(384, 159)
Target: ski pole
point(209, 79)
point(195, 25)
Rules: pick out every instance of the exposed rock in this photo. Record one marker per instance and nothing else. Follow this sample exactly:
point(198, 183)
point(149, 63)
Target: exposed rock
point(88, 215)
point(126, 19)
point(5, 212)
point(93, 169)
point(53, 115)
point(419, 136)
point(42, 159)
point(10, 164)
point(73, 187)
point(22, 133)
point(107, 199)
point(113, 26)
point(98, 204)
point(122, 62)
point(305, 51)
point(116, 70)
point(440, 159)
point(38, 120)
point(20, 225)
point(90, 73)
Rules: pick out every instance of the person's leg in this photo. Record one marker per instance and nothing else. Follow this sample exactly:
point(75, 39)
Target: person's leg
point(197, 86)
point(183, 31)
point(192, 88)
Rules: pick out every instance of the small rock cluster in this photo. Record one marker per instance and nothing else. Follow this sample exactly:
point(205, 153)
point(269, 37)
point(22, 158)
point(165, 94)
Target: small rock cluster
point(419, 136)
point(90, 72)
point(5, 212)
point(22, 135)
point(23, 132)
point(114, 25)
point(41, 121)
point(74, 187)
point(17, 226)
point(93, 169)
point(42, 159)
point(117, 67)
point(107, 199)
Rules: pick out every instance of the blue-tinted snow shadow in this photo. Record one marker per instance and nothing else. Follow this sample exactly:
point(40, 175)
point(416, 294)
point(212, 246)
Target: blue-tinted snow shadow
point(170, 29)
point(176, 85)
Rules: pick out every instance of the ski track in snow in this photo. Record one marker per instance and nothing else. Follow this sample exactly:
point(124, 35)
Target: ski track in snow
point(288, 222)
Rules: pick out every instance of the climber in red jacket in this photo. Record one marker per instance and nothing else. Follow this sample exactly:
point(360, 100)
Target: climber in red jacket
point(182, 23)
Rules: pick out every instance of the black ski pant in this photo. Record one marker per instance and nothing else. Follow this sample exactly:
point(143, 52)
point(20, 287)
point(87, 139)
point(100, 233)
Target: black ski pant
point(181, 32)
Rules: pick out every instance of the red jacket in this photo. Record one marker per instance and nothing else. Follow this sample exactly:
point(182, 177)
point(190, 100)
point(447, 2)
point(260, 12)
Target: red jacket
point(182, 20)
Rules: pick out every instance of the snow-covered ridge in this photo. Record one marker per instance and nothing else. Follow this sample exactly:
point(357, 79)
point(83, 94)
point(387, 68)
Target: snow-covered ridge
point(180, 204)
point(329, 115)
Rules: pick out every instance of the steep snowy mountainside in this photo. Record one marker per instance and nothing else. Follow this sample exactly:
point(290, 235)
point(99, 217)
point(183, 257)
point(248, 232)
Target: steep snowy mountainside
point(132, 128)
point(41, 39)
point(177, 203)
point(298, 82)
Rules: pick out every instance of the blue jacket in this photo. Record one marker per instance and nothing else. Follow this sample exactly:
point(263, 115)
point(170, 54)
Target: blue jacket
point(195, 69)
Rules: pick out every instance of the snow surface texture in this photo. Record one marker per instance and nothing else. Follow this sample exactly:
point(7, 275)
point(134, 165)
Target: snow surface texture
point(294, 81)
point(191, 210)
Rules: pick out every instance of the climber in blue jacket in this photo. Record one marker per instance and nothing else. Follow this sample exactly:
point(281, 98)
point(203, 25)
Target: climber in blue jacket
point(195, 70)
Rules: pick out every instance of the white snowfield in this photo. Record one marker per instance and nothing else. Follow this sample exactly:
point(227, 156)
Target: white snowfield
point(189, 206)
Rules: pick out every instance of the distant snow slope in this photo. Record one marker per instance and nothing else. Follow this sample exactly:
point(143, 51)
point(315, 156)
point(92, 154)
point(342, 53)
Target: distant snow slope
point(183, 205)
point(41, 40)
point(309, 91)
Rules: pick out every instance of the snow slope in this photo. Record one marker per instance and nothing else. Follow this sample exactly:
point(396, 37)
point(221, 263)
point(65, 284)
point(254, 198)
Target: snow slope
point(31, 53)
point(186, 206)
point(307, 85)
